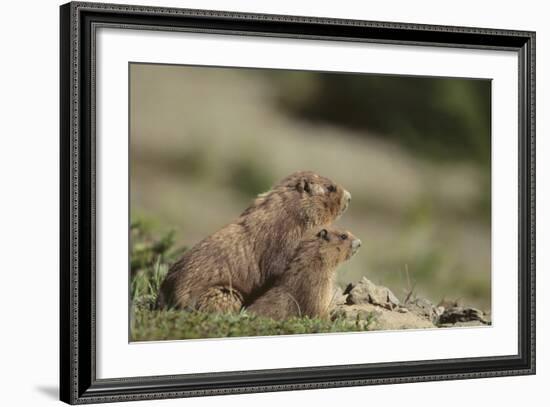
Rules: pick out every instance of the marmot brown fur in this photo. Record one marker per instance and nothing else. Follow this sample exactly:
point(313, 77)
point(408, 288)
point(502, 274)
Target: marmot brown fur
point(226, 269)
point(306, 286)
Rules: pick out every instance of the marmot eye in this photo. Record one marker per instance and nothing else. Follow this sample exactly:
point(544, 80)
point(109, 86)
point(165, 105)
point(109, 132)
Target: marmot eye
point(331, 188)
point(343, 236)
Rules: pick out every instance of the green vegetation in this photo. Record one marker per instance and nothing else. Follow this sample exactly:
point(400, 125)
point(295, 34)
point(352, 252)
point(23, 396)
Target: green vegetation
point(150, 259)
point(248, 177)
point(173, 324)
point(439, 118)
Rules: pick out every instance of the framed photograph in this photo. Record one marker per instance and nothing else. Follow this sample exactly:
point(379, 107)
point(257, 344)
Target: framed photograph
point(255, 203)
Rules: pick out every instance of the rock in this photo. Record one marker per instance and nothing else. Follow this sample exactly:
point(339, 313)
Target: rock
point(348, 288)
point(338, 297)
point(446, 303)
point(380, 318)
point(359, 314)
point(366, 292)
point(424, 308)
point(461, 315)
point(367, 304)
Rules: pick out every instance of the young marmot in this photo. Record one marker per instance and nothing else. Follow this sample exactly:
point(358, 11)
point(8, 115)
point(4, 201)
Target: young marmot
point(306, 286)
point(227, 268)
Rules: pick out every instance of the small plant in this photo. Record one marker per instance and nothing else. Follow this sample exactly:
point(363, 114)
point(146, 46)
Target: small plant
point(150, 259)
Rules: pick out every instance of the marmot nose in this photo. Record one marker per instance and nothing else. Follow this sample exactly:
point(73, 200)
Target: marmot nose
point(346, 199)
point(355, 245)
point(347, 196)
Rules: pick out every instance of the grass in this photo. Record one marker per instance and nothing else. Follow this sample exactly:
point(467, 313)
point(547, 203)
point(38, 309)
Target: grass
point(150, 259)
point(148, 325)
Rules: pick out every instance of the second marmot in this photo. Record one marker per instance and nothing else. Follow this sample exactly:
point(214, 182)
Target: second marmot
point(306, 286)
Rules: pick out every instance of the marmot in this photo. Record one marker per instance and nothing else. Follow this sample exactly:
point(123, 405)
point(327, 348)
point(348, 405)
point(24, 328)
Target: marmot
point(225, 270)
point(306, 286)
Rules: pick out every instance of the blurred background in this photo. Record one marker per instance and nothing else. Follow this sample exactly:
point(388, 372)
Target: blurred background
point(414, 152)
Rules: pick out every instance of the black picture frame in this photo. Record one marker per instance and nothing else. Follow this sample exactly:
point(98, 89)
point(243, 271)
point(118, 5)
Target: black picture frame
point(78, 382)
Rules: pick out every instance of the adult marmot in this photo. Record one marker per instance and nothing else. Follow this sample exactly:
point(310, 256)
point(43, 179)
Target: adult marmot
point(306, 286)
point(224, 270)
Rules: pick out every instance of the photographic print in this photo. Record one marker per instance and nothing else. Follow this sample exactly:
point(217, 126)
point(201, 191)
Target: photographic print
point(274, 202)
point(263, 188)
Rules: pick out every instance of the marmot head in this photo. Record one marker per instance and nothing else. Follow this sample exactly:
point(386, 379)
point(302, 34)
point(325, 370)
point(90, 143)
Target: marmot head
point(336, 246)
point(325, 249)
point(320, 200)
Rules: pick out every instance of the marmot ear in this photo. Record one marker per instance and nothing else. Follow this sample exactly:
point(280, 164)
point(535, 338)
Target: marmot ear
point(303, 185)
point(323, 234)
